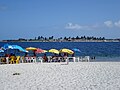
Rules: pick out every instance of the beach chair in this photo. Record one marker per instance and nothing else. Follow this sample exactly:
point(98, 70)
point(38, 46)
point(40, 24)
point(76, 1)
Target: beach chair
point(86, 58)
point(80, 59)
point(65, 59)
point(17, 60)
point(77, 59)
point(71, 59)
point(2, 60)
point(49, 59)
point(12, 59)
point(39, 59)
point(7, 60)
point(22, 59)
point(60, 59)
point(27, 59)
point(33, 59)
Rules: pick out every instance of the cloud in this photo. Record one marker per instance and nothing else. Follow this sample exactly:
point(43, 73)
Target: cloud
point(73, 26)
point(117, 24)
point(112, 24)
point(109, 24)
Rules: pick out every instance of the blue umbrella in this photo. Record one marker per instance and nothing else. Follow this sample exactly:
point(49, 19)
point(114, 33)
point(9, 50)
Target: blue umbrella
point(19, 48)
point(1, 50)
point(7, 46)
point(76, 50)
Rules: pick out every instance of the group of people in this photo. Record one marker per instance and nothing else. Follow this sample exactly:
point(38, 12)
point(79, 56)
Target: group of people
point(55, 57)
point(10, 57)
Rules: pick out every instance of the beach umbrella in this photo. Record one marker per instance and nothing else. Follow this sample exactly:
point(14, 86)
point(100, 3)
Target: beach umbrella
point(76, 50)
point(1, 50)
point(40, 50)
point(7, 46)
point(54, 51)
point(65, 50)
point(19, 48)
point(31, 48)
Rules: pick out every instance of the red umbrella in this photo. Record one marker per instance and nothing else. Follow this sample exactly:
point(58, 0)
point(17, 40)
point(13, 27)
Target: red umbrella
point(40, 50)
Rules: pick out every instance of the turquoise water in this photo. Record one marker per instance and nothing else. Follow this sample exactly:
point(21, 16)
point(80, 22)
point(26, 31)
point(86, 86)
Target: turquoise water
point(103, 51)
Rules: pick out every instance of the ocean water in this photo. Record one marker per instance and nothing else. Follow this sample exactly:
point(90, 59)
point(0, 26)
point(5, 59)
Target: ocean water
point(103, 51)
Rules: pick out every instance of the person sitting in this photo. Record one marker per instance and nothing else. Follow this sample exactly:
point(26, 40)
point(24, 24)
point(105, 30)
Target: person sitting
point(54, 58)
point(3, 60)
point(12, 58)
point(65, 57)
point(7, 55)
point(45, 58)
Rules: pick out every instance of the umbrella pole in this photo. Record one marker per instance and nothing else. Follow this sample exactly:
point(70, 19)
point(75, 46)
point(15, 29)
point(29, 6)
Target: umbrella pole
point(7, 51)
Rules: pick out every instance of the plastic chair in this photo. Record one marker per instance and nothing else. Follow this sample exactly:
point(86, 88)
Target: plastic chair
point(80, 59)
point(18, 60)
point(22, 59)
point(86, 58)
point(12, 59)
point(33, 59)
point(77, 59)
point(40, 59)
point(2, 60)
point(27, 59)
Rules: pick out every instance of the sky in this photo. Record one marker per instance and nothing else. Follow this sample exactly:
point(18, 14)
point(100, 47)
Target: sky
point(59, 18)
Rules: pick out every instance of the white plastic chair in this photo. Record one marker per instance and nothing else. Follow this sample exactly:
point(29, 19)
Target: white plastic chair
point(28, 59)
point(40, 59)
point(7, 60)
point(33, 59)
point(86, 58)
point(22, 60)
point(71, 59)
point(80, 59)
point(76, 59)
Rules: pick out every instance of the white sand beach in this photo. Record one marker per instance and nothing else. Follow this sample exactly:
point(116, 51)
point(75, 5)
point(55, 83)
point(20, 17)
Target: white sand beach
point(54, 76)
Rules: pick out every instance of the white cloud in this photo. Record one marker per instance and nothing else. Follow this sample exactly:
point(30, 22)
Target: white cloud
point(73, 26)
point(112, 24)
point(80, 27)
point(109, 24)
point(117, 24)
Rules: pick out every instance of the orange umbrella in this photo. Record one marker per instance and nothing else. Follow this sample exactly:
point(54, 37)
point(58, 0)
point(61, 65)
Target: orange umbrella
point(40, 50)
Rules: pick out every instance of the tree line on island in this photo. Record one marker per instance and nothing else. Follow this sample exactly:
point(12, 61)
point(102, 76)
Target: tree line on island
point(64, 39)
point(77, 38)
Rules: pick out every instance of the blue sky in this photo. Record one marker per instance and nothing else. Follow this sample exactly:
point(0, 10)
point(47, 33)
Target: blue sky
point(59, 18)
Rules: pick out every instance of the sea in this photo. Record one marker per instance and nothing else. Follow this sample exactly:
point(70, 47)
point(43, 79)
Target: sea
point(102, 51)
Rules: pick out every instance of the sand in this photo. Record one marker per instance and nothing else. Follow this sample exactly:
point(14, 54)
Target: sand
point(56, 76)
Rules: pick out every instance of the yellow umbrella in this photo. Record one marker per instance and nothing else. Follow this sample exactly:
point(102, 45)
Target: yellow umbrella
point(54, 51)
point(64, 50)
point(31, 48)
